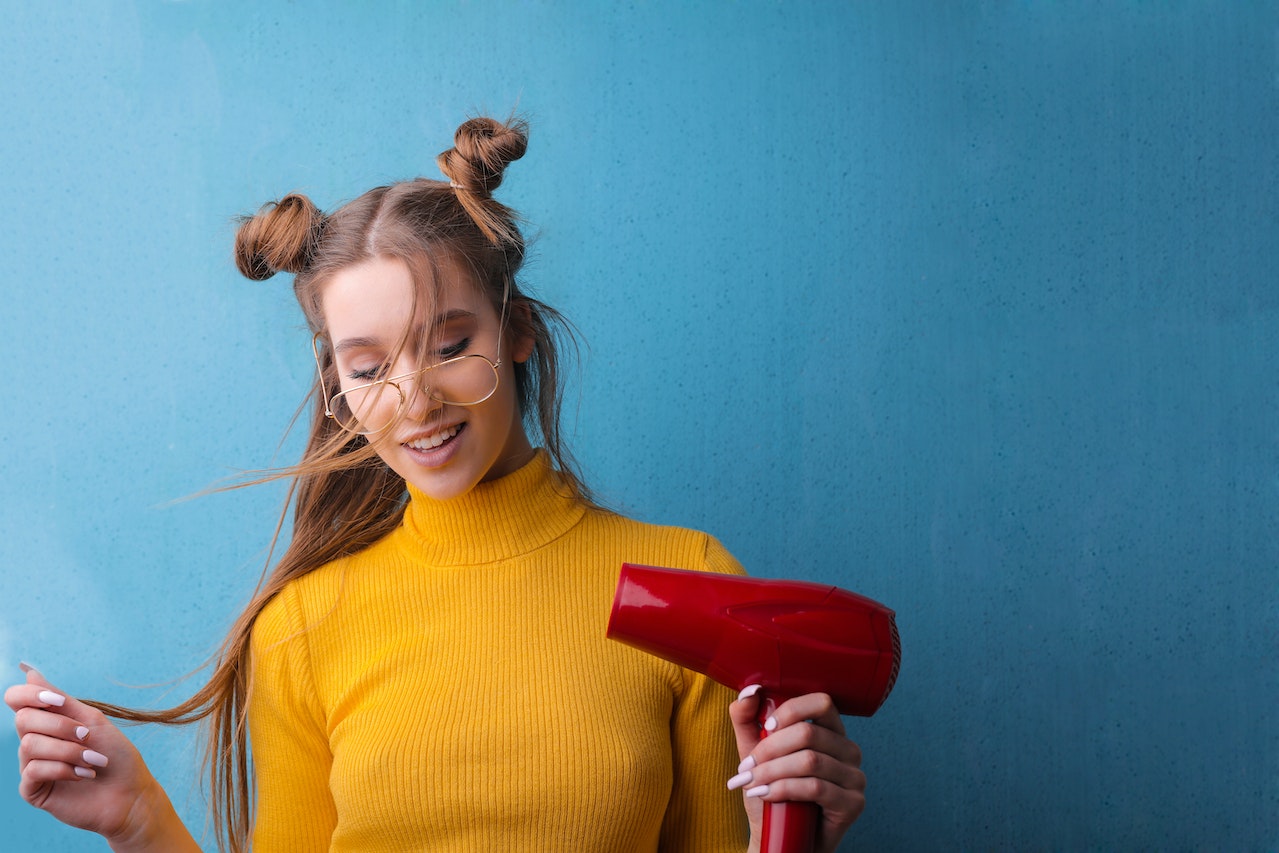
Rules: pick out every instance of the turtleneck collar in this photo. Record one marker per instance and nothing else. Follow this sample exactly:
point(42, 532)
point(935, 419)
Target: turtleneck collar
point(496, 520)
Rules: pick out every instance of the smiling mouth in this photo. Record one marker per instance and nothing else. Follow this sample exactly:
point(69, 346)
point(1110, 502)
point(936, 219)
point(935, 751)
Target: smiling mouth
point(429, 442)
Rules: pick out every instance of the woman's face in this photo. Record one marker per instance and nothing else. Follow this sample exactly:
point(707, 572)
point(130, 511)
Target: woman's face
point(441, 449)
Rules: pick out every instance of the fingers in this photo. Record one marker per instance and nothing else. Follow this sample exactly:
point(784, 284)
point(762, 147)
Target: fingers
point(808, 736)
point(32, 696)
point(50, 724)
point(37, 692)
point(807, 775)
point(804, 755)
point(815, 707)
point(809, 722)
point(53, 731)
point(76, 765)
point(744, 714)
point(49, 759)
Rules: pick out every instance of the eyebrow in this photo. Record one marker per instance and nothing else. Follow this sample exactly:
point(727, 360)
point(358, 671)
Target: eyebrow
point(365, 341)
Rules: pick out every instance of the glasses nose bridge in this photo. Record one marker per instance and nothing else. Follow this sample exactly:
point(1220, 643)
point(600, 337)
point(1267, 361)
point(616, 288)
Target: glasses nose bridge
point(414, 387)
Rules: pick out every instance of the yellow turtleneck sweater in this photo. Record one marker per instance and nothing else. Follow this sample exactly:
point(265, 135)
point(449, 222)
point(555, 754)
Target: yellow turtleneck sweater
point(450, 688)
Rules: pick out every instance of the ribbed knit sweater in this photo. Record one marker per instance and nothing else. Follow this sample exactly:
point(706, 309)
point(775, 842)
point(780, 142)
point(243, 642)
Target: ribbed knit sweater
point(450, 688)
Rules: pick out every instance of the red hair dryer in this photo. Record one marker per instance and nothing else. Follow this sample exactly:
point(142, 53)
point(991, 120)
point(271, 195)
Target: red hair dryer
point(790, 637)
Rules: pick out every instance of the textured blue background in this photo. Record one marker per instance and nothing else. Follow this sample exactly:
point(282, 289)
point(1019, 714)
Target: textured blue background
point(969, 307)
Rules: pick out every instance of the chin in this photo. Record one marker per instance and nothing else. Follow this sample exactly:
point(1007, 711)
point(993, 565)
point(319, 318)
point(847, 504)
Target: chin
point(444, 487)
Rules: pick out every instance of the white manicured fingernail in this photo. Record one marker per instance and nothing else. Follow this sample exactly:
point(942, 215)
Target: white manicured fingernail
point(97, 759)
point(81, 732)
point(48, 697)
point(740, 780)
point(748, 691)
point(758, 791)
point(770, 725)
point(747, 763)
point(85, 773)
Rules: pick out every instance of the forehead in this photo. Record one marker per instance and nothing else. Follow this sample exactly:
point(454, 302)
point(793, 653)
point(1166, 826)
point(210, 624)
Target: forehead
point(376, 298)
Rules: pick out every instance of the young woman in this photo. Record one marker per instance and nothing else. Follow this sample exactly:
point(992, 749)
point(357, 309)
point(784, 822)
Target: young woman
point(425, 668)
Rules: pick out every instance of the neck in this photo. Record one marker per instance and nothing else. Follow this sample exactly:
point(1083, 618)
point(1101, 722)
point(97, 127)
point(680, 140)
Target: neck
point(498, 519)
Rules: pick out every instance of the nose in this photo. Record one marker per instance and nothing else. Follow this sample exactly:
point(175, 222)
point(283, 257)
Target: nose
point(418, 402)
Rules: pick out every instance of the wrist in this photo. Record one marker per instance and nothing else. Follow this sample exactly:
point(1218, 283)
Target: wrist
point(153, 826)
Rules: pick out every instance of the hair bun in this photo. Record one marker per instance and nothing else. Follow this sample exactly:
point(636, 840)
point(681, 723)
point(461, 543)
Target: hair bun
point(482, 149)
point(281, 237)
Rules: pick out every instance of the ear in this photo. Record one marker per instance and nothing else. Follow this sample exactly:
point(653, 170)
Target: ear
point(523, 341)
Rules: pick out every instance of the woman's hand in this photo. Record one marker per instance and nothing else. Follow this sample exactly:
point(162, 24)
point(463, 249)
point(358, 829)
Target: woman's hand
point(78, 766)
point(805, 757)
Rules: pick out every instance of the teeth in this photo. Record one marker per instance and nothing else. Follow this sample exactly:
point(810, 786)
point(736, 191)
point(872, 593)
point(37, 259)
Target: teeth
point(433, 440)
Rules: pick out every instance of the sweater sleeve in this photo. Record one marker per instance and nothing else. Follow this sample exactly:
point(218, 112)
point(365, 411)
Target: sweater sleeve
point(294, 811)
point(703, 815)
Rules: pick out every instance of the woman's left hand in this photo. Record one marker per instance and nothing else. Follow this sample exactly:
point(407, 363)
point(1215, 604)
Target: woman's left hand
point(805, 756)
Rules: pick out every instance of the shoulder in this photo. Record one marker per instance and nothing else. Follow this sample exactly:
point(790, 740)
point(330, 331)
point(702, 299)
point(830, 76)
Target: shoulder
point(659, 545)
point(299, 605)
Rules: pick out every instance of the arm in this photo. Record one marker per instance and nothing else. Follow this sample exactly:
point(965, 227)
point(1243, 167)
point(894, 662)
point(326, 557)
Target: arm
point(294, 810)
point(702, 815)
point(79, 767)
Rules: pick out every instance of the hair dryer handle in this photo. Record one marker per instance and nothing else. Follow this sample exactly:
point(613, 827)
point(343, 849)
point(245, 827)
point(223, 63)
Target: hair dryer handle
point(788, 827)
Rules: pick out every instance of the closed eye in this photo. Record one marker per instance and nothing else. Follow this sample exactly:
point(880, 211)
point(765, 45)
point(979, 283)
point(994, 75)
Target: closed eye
point(381, 371)
point(454, 350)
point(371, 374)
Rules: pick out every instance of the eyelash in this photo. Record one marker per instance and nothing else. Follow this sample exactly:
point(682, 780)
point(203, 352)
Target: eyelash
point(454, 350)
point(373, 373)
point(367, 375)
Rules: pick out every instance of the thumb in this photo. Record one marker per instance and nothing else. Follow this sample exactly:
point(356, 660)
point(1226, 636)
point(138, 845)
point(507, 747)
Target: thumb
point(33, 675)
point(745, 716)
point(69, 706)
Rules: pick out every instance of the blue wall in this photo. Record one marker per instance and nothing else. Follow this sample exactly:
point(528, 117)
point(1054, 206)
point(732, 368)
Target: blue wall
point(969, 307)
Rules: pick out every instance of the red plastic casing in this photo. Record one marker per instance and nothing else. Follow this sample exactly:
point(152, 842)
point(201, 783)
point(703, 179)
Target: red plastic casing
point(790, 637)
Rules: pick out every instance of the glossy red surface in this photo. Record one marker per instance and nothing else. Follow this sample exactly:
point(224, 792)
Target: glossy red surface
point(791, 637)
point(788, 827)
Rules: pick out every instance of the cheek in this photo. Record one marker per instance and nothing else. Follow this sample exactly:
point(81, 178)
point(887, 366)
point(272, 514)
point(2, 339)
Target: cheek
point(514, 382)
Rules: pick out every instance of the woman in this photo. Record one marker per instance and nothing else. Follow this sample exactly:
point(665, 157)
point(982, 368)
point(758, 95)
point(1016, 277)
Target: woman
point(425, 668)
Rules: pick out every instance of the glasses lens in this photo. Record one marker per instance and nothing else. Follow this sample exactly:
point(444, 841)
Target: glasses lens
point(368, 408)
point(462, 381)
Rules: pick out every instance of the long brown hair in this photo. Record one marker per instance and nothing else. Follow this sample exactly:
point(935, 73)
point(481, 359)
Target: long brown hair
point(343, 497)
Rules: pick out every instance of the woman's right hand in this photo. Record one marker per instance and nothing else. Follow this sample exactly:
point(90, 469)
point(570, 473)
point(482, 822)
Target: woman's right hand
point(78, 766)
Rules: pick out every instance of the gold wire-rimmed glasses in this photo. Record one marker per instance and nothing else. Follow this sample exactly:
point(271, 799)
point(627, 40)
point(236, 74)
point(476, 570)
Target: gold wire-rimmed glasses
point(368, 409)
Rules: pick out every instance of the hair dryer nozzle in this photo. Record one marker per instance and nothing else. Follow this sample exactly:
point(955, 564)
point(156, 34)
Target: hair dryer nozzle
point(792, 637)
